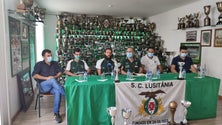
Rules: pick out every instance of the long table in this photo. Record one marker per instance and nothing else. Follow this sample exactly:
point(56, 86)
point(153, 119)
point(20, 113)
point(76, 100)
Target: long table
point(87, 101)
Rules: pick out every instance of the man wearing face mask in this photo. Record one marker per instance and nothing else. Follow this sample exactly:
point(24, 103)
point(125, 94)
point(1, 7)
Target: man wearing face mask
point(183, 57)
point(107, 64)
point(131, 63)
point(76, 66)
point(46, 73)
point(150, 62)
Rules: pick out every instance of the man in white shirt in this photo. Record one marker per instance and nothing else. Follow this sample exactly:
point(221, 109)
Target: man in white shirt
point(107, 64)
point(150, 62)
point(76, 66)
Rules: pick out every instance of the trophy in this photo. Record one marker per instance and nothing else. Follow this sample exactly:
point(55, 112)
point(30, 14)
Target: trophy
point(117, 76)
point(112, 112)
point(219, 8)
point(207, 19)
point(180, 72)
point(196, 21)
point(185, 104)
point(126, 113)
point(172, 106)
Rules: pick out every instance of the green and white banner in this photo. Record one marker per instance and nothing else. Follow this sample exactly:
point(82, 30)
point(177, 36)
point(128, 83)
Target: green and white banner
point(149, 101)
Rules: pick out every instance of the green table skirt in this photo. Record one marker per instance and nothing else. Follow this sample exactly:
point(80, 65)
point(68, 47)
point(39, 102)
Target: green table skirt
point(87, 101)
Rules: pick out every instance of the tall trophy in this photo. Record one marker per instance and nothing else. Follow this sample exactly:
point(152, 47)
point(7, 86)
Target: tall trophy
point(117, 76)
point(180, 77)
point(219, 8)
point(112, 112)
point(207, 18)
point(185, 104)
point(126, 113)
point(172, 107)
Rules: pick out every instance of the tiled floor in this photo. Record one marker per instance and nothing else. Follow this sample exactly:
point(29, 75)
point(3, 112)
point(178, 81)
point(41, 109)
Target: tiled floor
point(31, 116)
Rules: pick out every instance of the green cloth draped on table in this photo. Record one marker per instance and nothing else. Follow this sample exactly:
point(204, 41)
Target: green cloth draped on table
point(87, 102)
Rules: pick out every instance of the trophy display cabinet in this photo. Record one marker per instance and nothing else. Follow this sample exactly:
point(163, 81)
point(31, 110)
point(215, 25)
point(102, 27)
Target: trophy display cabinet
point(92, 34)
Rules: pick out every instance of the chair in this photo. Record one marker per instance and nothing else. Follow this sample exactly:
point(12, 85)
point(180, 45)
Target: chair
point(38, 96)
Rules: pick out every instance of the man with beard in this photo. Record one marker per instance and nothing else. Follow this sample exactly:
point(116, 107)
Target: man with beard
point(107, 64)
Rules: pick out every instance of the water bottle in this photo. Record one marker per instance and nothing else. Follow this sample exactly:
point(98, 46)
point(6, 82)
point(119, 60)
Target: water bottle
point(85, 76)
point(149, 76)
point(113, 74)
point(184, 73)
point(128, 74)
point(203, 71)
point(158, 74)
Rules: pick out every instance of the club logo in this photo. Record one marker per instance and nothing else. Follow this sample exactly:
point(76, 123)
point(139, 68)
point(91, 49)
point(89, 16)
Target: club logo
point(151, 106)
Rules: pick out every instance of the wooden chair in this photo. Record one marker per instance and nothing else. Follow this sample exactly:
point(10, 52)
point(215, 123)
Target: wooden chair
point(38, 96)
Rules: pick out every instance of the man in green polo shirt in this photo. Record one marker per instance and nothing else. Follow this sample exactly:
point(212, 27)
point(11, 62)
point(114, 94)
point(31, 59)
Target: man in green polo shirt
point(131, 63)
point(76, 66)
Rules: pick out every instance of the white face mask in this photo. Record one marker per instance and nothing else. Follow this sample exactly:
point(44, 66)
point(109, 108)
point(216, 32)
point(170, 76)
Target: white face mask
point(129, 54)
point(183, 55)
point(150, 54)
point(49, 59)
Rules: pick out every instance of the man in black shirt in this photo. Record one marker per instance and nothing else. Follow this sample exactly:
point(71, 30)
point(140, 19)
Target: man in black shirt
point(46, 73)
point(183, 57)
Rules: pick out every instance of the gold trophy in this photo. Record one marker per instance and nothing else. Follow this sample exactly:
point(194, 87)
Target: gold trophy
point(219, 8)
point(207, 18)
point(172, 107)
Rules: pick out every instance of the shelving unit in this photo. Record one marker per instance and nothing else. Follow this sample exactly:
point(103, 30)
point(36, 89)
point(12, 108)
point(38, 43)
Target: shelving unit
point(92, 34)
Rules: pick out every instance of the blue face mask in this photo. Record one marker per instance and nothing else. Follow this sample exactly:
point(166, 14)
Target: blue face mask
point(183, 55)
point(150, 55)
point(77, 57)
point(129, 55)
point(49, 59)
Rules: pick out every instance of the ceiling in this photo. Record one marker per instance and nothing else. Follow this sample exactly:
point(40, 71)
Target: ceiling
point(136, 8)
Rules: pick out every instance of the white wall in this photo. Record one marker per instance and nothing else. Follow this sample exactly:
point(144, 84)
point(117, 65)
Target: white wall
point(166, 24)
point(9, 90)
point(4, 93)
point(50, 24)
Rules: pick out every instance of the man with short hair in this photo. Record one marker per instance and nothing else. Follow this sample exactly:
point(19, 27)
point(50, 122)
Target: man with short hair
point(107, 64)
point(151, 62)
point(131, 63)
point(183, 57)
point(76, 66)
point(46, 73)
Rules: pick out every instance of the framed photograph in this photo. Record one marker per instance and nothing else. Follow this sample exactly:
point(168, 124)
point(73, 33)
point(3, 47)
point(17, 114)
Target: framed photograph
point(191, 36)
point(194, 51)
point(26, 92)
point(218, 38)
point(15, 46)
point(205, 38)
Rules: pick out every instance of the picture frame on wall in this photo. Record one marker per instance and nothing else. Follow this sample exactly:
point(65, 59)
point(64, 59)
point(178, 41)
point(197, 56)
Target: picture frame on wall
point(218, 37)
point(15, 45)
point(194, 51)
point(191, 36)
point(206, 36)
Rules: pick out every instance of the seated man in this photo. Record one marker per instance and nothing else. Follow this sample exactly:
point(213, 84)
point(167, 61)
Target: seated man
point(76, 66)
point(183, 57)
point(46, 73)
point(151, 62)
point(107, 64)
point(131, 63)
